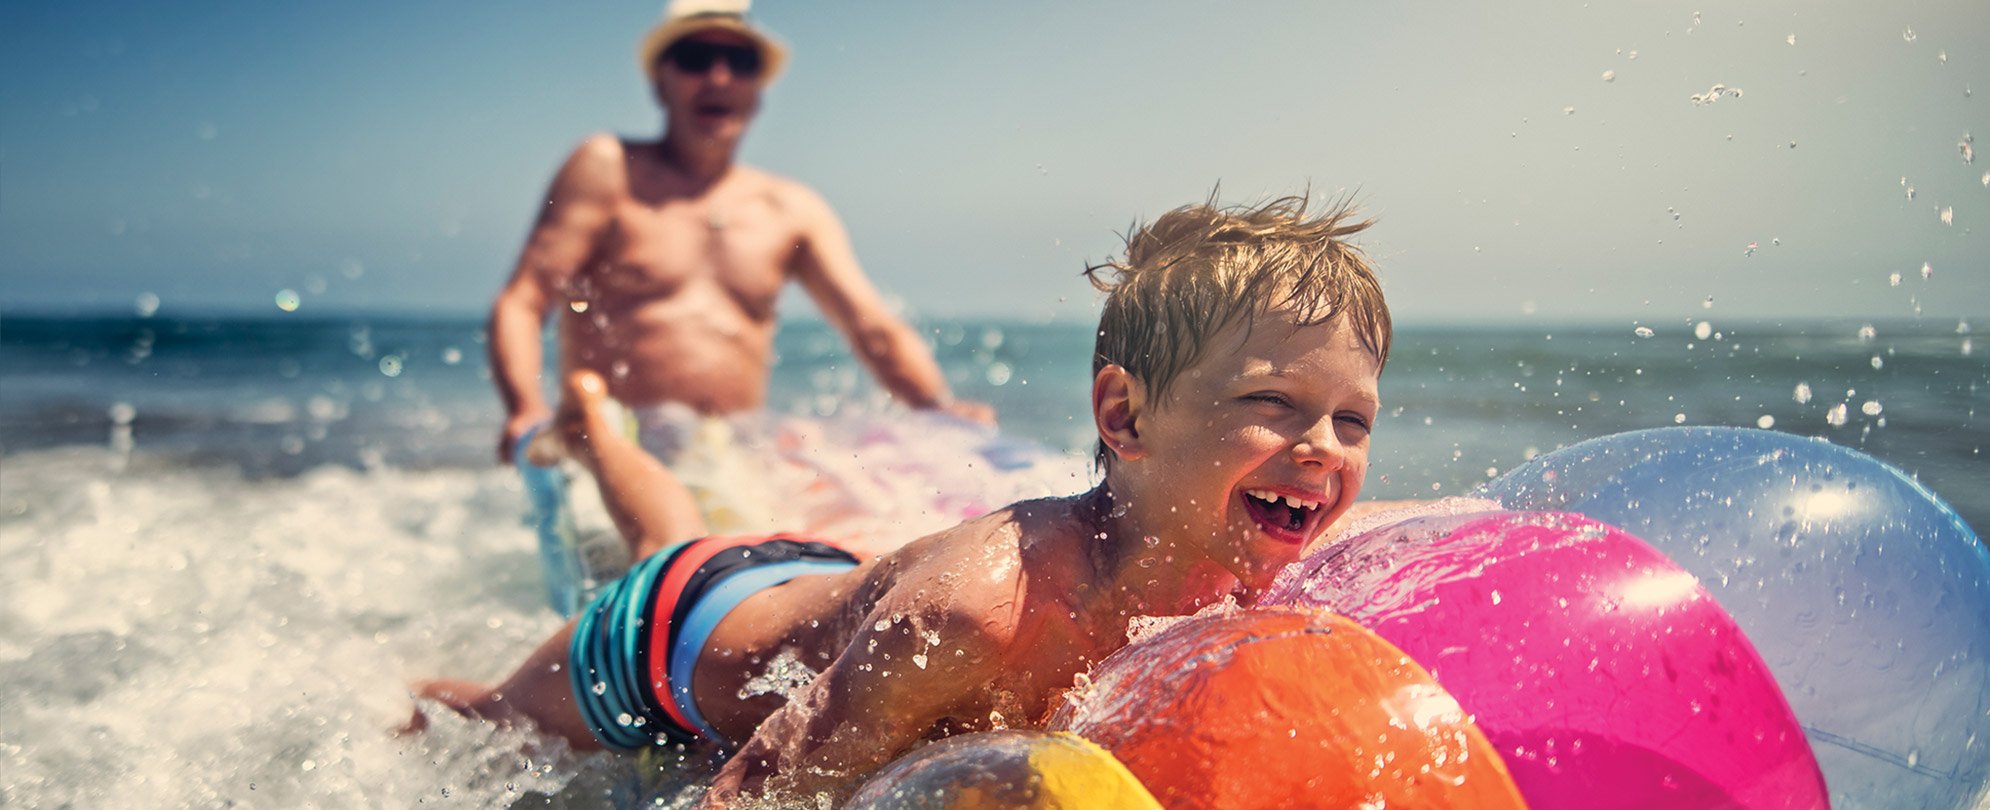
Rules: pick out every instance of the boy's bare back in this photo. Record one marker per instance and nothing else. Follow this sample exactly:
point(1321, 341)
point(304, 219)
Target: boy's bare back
point(981, 626)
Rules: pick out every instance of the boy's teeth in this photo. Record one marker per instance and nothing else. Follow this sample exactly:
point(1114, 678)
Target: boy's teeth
point(1293, 501)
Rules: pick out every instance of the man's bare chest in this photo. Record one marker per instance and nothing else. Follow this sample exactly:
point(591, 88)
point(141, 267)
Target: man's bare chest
point(650, 252)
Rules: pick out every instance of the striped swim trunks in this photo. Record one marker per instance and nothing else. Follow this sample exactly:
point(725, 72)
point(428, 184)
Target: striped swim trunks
point(633, 685)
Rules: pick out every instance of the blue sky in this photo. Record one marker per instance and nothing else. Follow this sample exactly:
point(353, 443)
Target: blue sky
point(388, 156)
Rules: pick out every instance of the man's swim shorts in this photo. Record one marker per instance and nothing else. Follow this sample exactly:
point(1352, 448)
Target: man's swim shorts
point(633, 685)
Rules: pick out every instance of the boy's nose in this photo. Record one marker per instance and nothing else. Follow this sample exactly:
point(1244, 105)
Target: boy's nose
point(1320, 445)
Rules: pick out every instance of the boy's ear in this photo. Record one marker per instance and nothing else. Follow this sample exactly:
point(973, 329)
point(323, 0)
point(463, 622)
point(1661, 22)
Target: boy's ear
point(1118, 402)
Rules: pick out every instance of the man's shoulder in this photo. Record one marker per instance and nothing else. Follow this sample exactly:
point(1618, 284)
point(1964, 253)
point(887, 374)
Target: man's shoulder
point(602, 148)
point(598, 163)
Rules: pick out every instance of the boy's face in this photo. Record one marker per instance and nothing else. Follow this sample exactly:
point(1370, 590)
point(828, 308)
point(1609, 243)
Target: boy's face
point(1259, 446)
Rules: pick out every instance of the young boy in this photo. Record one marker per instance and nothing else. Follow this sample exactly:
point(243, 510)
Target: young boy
point(1234, 387)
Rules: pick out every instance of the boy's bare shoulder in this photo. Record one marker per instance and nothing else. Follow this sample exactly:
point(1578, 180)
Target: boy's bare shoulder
point(992, 573)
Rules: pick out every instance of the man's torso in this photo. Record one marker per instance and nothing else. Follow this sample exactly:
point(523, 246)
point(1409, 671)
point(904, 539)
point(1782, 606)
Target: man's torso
point(677, 300)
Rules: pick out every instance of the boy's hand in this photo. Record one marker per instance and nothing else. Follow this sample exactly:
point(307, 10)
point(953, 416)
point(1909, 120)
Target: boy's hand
point(885, 691)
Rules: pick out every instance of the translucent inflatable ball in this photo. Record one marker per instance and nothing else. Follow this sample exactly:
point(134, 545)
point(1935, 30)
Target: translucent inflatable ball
point(1014, 770)
point(1868, 597)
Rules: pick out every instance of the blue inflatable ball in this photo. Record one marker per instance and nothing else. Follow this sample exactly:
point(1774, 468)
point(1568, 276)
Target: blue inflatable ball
point(1866, 594)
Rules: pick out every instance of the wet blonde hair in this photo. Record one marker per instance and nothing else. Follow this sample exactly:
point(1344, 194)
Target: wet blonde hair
point(1200, 268)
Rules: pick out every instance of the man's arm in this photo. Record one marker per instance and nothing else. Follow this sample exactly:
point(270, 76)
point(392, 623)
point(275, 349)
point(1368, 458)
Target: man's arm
point(563, 237)
point(886, 690)
point(827, 267)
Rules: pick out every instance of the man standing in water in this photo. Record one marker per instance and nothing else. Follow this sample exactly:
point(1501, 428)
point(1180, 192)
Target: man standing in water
point(665, 258)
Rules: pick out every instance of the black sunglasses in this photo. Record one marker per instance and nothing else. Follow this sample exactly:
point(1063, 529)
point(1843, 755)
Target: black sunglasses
point(698, 57)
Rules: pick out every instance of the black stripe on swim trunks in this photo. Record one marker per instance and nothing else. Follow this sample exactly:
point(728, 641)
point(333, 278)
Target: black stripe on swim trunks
point(752, 555)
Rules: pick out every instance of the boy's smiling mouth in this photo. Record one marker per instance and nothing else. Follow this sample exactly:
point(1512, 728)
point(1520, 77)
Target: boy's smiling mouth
point(1288, 517)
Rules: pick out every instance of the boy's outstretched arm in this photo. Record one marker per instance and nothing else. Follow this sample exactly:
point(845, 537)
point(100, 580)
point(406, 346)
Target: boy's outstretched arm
point(886, 690)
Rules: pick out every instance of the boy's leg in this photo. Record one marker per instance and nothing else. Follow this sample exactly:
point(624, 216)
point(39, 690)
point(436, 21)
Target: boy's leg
point(540, 691)
point(650, 506)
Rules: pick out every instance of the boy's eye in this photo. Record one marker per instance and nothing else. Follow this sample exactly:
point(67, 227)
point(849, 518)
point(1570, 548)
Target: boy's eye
point(1272, 397)
point(1356, 420)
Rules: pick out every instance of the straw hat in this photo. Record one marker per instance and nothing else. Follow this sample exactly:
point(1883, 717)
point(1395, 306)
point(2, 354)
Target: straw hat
point(683, 18)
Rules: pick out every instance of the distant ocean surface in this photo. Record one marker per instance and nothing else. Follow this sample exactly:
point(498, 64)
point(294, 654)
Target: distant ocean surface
point(229, 544)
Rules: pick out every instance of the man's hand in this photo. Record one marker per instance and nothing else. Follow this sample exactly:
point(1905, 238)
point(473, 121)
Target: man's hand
point(516, 427)
point(980, 413)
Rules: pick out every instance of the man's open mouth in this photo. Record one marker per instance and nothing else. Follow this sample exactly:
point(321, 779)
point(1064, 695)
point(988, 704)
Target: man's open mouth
point(1284, 512)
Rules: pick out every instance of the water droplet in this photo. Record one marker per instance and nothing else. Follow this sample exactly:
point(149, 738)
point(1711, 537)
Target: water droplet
point(1908, 35)
point(1765, 422)
point(1878, 363)
point(391, 365)
point(919, 659)
point(1927, 270)
point(146, 304)
point(1792, 39)
point(1867, 333)
point(1913, 757)
point(1568, 110)
point(1702, 329)
point(600, 688)
point(1678, 419)
point(287, 300)
point(1871, 408)
point(1893, 280)
point(1707, 304)
point(1609, 75)
point(1948, 215)
point(1836, 416)
point(1968, 153)
point(452, 355)
point(577, 305)
point(1643, 332)
point(1496, 597)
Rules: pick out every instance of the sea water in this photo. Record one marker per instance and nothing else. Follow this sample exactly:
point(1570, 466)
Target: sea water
point(228, 545)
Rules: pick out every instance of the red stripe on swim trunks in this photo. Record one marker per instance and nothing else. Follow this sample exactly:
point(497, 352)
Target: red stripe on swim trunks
point(668, 593)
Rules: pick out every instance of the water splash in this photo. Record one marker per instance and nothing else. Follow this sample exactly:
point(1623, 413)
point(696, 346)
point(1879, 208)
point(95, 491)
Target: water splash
point(1714, 94)
point(1837, 416)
